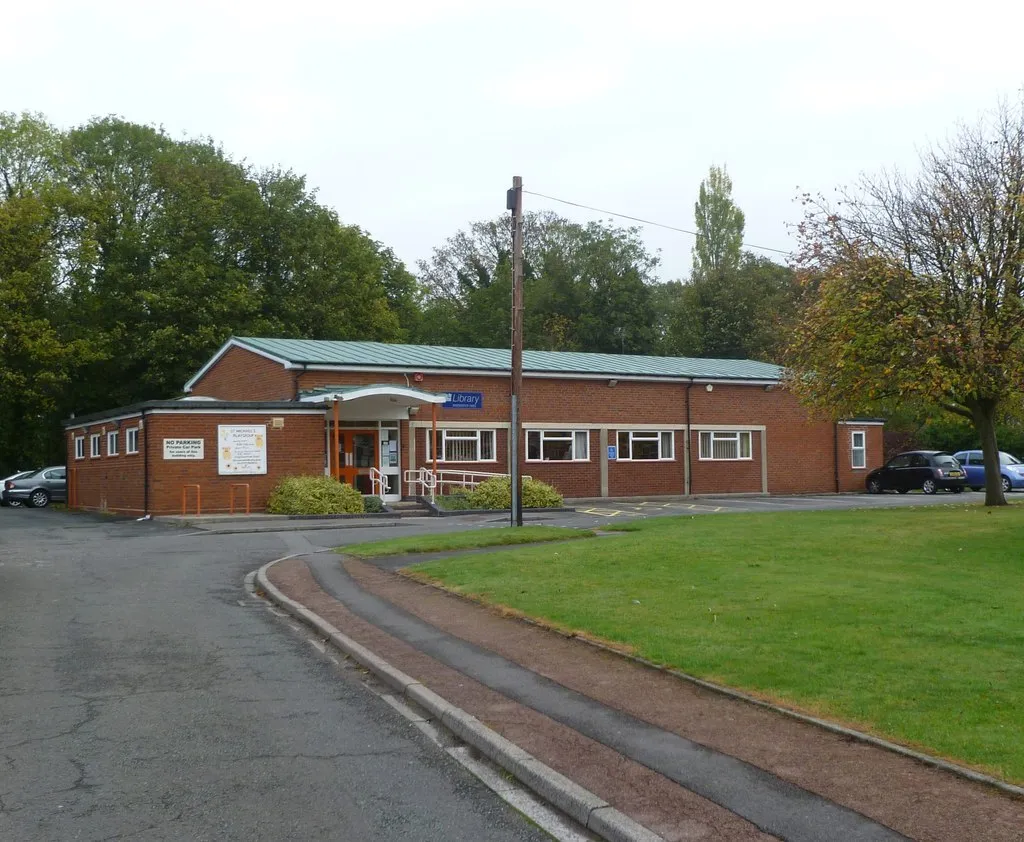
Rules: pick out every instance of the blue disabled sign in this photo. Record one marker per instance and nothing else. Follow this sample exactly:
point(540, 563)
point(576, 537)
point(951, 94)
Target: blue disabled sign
point(464, 400)
point(612, 453)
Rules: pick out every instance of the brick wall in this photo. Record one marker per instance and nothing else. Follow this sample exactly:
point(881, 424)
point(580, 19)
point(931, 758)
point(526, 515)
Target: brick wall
point(115, 483)
point(241, 375)
point(110, 482)
point(801, 452)
point(297, 448)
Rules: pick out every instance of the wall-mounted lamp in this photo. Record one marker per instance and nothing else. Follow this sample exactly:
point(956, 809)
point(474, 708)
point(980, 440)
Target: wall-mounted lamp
point(413, 410)
point(769, 387)
point(710, 387)
point(613, 382)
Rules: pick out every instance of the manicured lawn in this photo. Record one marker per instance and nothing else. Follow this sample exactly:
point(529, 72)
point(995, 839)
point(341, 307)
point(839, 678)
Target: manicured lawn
point(905, 622)
point(464, 540)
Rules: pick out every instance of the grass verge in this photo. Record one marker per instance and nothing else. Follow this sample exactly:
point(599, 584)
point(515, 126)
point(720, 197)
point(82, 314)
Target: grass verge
point(907, 622)
point(470, 539)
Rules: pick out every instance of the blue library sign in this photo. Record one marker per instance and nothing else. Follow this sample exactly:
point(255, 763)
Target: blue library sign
point(612, 452)
point(464, 400)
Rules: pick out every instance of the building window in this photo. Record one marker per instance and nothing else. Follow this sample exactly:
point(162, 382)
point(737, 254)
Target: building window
point(858, 449)
point(462, 446)
point(80, 447)
point(645, 446)
point(112, 443)
point(730, 445)
point(131, 443)
point(94, 445)
point(557, 446)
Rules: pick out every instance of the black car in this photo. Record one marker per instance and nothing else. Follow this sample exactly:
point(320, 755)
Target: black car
point(928, 470)
point(38, 488)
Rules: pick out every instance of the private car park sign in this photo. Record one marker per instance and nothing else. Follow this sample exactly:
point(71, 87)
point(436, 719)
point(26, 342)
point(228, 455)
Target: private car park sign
point(183, 448)
point(242, 449)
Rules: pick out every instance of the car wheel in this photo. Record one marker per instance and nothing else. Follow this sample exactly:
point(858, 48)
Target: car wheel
point(39, 498)
point(928, 486)
point(874, 486)
point(15, 504)
point(1006, 485)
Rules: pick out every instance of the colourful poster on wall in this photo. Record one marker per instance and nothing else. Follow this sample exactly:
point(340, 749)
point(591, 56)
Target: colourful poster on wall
point(242, 450)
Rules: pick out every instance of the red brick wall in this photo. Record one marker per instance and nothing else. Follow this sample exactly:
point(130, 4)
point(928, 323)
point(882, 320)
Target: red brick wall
point(801, 452)
point(241, 375)
point(298, 448)
point(115, 483)
point(107, 483)
point(850, 478)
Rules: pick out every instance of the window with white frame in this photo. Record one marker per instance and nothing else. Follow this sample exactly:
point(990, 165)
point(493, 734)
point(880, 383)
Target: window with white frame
point(645, 445)
point(858, 449)
point(725, 445)
point(80, 447)
point(131, 440)
point(94, 445)
point(462, 446)
point(112, 443)
point(557, 445)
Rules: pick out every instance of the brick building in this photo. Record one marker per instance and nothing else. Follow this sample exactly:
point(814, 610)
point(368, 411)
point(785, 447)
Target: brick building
point(594, 425)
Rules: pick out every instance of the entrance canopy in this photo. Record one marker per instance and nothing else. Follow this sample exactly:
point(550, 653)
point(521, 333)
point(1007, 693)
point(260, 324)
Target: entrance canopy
point(378, 402)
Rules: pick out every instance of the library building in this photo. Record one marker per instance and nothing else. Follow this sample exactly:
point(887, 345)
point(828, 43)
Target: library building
point(407, 421)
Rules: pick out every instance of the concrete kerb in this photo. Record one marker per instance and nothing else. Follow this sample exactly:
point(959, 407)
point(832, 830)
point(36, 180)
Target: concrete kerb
point(585, 807)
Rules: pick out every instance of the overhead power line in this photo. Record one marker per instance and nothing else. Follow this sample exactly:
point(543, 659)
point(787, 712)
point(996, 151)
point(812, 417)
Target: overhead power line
point(645, 221)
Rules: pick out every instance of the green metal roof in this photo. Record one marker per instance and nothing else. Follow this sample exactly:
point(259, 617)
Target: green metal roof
point(425, 357)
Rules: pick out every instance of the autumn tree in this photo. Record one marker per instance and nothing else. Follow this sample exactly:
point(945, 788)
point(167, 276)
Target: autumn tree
point(913, 286)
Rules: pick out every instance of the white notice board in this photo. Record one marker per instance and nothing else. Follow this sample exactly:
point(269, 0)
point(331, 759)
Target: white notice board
point(242, 450)
point(183, 448)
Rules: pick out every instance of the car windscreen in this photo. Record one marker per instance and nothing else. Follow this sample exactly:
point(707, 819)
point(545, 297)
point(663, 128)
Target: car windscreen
point(944, 460)
point(1007, 459)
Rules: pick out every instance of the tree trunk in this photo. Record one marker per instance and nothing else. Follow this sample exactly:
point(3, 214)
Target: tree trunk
point(984, 411)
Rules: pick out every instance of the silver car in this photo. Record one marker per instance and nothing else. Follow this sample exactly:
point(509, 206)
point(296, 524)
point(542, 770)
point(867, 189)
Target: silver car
point(38, 488)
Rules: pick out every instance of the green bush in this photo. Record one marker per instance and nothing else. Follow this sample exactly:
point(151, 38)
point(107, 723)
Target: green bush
point(316, 495)
point(496, 493)
point(455, 502)
point(373, 505)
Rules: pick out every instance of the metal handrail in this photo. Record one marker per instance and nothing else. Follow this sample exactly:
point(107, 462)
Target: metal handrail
point(377, 482)
point(436, 483)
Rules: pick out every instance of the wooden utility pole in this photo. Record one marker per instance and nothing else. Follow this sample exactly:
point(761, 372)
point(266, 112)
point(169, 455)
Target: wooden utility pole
point(514, 203)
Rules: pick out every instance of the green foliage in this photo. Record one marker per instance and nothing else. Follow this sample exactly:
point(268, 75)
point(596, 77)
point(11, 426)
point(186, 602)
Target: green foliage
point(127, 257)
point(586, 287)
point(373, 504)
point(740, 313)
point(496, 493)
point(952, 433)
point(904, 299)
point(454, 502)
point(720, 225)
point(314, 495)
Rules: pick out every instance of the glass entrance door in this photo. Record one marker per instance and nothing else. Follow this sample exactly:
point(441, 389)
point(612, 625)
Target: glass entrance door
point(389, 463)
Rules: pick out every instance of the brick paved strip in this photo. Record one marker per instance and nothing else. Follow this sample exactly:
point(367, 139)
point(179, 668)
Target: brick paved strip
point(767, 801)
point(586, 808)
point(645, 796)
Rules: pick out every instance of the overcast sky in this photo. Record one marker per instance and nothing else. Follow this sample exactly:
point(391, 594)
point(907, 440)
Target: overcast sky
point(411, 118)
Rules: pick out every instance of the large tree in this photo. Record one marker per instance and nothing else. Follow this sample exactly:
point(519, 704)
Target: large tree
point(914, 285)
point(720, 225)
point(586, 287)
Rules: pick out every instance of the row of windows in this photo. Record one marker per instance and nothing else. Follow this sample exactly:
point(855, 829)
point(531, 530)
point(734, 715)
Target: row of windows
point(131, 444)
point(574, 446)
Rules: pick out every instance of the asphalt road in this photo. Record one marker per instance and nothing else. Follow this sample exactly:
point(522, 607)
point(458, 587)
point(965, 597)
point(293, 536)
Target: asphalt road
point(144, 696)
